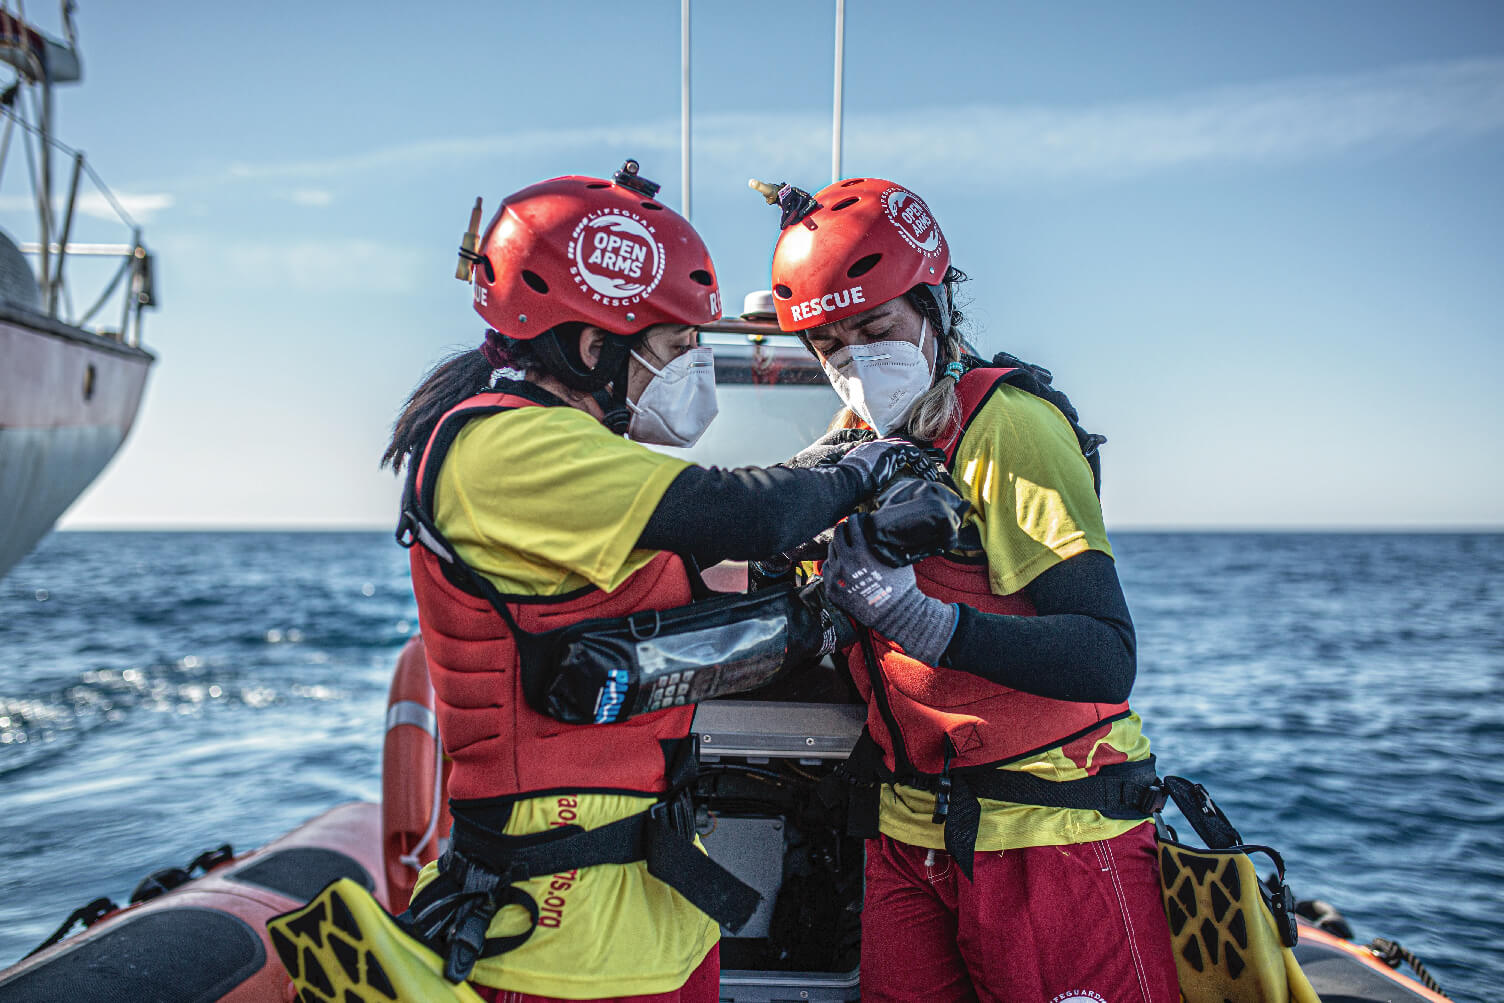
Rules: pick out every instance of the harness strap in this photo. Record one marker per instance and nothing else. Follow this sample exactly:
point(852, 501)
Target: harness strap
point(1120, 790)
point(477, 877)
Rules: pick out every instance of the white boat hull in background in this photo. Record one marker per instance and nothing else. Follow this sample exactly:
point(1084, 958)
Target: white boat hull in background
point(68, 398)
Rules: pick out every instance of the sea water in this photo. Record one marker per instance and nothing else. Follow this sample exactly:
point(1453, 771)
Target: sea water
point(1339, 695)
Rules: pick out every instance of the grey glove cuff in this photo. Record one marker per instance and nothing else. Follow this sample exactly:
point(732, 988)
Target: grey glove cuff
point(886, 599)
point(919, 624)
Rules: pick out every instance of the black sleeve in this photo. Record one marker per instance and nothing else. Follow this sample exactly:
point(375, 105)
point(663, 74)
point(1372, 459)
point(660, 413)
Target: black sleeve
point(748, 513)
point(1080, 647)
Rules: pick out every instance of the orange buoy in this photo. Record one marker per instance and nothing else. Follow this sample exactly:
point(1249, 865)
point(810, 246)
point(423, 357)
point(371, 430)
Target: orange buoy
point(414, 812)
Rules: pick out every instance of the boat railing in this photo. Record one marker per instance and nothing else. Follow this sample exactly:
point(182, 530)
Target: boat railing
point(752, 350)
point(39, 62)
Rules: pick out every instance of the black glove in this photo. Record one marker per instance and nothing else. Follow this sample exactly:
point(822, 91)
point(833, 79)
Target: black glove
point(830, 447)
point(881, 460)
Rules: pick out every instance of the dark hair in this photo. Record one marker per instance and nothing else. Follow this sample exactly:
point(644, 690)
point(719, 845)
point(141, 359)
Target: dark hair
point(556, 352)
point(463, 374)
point(925, 303)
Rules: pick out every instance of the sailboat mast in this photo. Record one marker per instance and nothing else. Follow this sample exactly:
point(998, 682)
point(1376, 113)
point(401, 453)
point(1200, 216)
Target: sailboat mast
point(835, 128)
point(684, 99)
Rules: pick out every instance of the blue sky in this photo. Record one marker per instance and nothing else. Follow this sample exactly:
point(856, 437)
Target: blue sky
point(1259, 244)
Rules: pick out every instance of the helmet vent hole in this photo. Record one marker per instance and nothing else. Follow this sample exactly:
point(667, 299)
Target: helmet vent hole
point(703, 277)
point(597, 184)
point(783, 292)
point(853, 181)
point(846, 203)
point(863, 265)
point(651, 205)
point(534, 281)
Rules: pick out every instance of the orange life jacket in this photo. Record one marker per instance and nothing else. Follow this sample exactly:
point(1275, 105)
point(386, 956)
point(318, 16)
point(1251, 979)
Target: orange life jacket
point(501, 746)
point(928, 721)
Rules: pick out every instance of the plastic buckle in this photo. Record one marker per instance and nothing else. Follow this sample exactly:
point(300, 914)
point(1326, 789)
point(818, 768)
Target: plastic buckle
point(1281, 903)
point(675, 813)
point(467, 940)
point(942, 801)
point(407, 532)
point(1153, 800)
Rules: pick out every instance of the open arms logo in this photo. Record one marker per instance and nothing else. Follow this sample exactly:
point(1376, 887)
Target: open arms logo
point(908, 213)
point(617, 259)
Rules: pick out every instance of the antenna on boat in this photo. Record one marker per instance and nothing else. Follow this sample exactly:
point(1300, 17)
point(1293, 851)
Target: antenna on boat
point(835, 127)
point(684, 99)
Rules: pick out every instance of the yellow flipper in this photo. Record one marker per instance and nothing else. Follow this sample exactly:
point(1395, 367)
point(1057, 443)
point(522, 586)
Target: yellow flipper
point(1227, 946)
point(343, 941)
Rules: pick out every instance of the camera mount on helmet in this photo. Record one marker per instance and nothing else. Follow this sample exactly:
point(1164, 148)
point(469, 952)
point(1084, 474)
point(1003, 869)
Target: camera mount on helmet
point(628, 177)
point(794, 203)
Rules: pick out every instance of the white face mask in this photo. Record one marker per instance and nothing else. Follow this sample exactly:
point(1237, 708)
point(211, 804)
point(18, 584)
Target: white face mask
point(880, 381)
point(678, 403)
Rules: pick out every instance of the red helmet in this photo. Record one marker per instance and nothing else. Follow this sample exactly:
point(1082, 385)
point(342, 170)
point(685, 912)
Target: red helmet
point(600, 252)
point(870, 241)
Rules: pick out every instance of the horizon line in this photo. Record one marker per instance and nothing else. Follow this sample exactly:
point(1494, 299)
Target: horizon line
point(1376, 528)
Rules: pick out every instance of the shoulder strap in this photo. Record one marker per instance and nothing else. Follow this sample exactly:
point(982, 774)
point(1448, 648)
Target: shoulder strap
point(416, 523)
point(981, 381)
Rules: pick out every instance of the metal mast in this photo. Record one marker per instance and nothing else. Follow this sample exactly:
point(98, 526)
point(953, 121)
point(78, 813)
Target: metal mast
point(835, 129)
point(684, 99)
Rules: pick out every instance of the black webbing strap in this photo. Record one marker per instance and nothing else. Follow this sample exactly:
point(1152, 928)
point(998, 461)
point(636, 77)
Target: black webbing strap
point(671, 857)
point(1120, 790)
point(1196, 804)
point(478, 874)
point(856, 782)
point(1216, 830)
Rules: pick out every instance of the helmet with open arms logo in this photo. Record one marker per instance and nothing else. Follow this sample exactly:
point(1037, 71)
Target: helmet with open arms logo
point(599, 252)
point(867, 242)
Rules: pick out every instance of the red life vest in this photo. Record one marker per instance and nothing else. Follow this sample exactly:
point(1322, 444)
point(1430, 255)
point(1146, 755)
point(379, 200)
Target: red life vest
point(501, 746)
point(920, 707)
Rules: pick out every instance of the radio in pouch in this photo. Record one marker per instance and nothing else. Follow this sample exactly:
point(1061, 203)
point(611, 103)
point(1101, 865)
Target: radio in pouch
point(608, 670)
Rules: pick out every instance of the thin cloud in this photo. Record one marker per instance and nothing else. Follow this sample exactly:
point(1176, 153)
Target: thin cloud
point(327, 265)
point(315, 197)
point(435, 151)
point(141, 206)
point(1277, 123)
point(1281, 122)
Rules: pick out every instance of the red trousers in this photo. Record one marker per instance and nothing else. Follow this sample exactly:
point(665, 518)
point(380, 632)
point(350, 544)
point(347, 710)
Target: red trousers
point(703, 986)
point(1047, 923)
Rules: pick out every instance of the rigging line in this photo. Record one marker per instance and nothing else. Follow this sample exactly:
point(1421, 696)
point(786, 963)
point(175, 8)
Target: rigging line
point(58, 144)
point(10, 125)
point(31, 163)
point(125, 264)
point(36, 114)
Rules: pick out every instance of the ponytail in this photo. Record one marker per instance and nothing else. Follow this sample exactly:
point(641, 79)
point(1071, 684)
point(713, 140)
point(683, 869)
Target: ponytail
point(461, 375)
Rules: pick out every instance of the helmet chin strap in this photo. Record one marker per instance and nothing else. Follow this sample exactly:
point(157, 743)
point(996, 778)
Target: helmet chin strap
point(941, 296)
point(616, 353)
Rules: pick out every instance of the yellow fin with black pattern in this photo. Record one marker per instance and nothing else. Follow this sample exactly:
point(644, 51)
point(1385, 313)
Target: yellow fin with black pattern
point(342, 947)
point(1227, 946)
